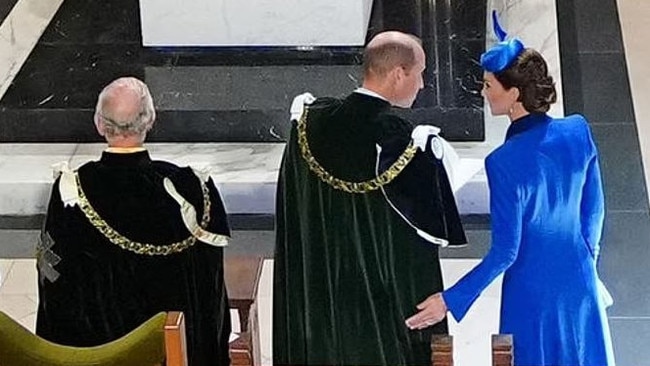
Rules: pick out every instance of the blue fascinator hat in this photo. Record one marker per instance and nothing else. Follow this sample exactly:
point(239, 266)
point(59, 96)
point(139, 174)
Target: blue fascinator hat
point(504, 53)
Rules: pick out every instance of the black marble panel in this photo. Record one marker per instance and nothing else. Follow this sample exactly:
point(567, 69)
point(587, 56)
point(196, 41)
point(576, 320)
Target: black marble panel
point(573, 93)
point(597, 26)
point(477, 247)
point(453, 38)
point(246, 87)
point(21, 222)
point(76, 125)
point(630, 338)
point(623, 263)
point(621, 166)
point(259, 222)
point(47, 125)
point(569, 60)
point(241, 221)
point(21, 244)
point(270, 125)
point(465, 19)
point(606, 89)
point(18, 244)
point(5, 8)
point(250, 56)
point(245, 242)
point(594, 72)
point(89, 43)
point(457, 124)
point(467, 74)
point(70, 76)
point(95, 22)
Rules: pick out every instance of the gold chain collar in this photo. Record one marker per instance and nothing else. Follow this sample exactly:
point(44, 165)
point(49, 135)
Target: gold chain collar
point(351, 187)
point(139, 248)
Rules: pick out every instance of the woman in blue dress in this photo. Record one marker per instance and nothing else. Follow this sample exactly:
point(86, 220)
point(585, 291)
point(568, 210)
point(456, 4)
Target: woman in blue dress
point(547, 211)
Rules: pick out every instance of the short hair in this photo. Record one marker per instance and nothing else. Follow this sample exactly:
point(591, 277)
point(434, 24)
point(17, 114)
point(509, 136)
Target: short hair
point(382, 58)
point(135, 124)
point(529, 74)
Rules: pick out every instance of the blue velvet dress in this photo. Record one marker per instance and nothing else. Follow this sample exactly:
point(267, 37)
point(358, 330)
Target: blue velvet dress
point(547, 211)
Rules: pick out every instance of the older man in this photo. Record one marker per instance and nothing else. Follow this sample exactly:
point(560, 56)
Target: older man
point(357, 230)
point(127, 237)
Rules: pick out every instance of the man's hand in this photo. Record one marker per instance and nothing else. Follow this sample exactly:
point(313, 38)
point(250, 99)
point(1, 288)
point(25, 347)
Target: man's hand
point(421, 133)
point(432, 310)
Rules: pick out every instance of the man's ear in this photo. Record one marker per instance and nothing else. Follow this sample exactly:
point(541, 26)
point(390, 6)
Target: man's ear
point(395, 77)
point(100, 126)
point(400, 73)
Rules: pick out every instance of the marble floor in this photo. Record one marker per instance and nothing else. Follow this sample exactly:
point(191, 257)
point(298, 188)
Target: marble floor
point(19, 299)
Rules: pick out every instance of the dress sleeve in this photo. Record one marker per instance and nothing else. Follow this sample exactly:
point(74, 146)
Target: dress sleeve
point(506, 217)
point(592, 203)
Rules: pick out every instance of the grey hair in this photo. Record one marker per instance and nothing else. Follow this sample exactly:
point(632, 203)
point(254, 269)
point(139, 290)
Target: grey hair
point(136, 124)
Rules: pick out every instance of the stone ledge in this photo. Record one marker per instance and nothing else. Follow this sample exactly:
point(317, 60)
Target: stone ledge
point(246, 174)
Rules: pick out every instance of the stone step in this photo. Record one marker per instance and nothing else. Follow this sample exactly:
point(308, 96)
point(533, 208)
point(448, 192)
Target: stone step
point(22, 243)
point(246, 173)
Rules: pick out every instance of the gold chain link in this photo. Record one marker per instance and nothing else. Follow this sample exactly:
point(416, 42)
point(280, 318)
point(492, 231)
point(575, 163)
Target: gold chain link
point(136, 247)
point(351, 187)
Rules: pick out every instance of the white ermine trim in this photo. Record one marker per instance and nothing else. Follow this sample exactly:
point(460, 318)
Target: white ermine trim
point(188, 213)
point(298, 105)
point(67, 184)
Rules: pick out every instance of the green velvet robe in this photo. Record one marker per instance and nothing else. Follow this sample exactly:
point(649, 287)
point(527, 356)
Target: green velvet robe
point(348, 269)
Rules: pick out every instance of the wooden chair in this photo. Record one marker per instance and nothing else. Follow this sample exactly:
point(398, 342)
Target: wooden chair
point(160, 339)
point(175, 342)
point(241, 351)
point(502, 350)
point(242, 276)
point(442, 350)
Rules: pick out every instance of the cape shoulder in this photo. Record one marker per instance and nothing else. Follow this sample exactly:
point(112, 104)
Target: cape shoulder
point(72, 194)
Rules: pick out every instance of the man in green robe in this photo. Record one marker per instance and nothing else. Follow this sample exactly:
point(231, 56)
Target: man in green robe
point(361, 212)
point(127, 237)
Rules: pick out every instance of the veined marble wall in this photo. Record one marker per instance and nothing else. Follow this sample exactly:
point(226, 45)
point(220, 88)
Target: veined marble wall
point(19, 32)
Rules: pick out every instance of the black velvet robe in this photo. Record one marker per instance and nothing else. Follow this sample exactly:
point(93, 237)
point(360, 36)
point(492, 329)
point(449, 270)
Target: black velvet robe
point(348, 269)
point(103, 291)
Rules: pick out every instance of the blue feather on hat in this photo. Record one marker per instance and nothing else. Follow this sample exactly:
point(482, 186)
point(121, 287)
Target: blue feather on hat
point(504, 53)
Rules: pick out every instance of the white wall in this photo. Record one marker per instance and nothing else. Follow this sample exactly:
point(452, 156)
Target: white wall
point(254, 22)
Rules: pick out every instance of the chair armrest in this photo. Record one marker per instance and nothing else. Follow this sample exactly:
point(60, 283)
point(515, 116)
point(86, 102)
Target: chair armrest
point(502, 350)
point(442, 350)
point(175, 342)
point(241, 351)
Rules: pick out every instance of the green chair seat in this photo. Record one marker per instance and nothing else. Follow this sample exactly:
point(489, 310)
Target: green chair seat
point(145, 345)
